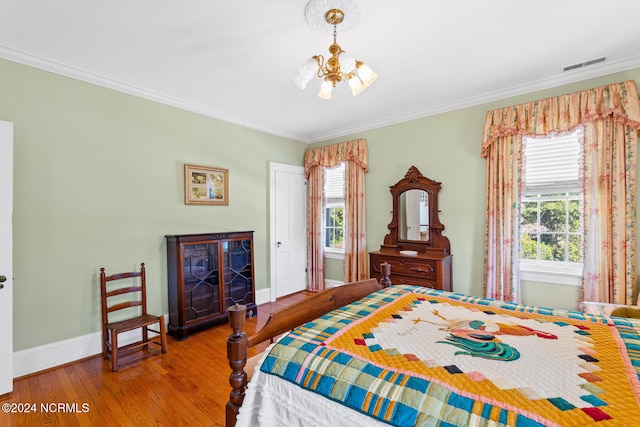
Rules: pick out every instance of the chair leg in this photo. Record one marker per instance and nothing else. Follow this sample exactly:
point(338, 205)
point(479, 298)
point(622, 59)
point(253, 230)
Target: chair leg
point(105, 339)
point(114, 351)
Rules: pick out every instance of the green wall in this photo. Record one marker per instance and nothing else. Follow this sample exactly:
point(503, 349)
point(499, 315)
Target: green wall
point(446, 148)
point(98, 182)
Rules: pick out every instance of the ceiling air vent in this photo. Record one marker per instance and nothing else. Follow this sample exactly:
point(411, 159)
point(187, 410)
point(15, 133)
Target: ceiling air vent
point(584, 64)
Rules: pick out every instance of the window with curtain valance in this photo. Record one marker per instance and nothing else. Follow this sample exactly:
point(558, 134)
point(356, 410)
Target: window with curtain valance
point(354, 155)
point(610, 116)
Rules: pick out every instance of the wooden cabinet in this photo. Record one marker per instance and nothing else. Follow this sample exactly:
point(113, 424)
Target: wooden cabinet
point(429, 270)
point(415, 228)
point(208, 273)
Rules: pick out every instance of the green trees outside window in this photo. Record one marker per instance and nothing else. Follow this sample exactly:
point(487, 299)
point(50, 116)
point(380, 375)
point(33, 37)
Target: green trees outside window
point(334, 227)
point(551, 229)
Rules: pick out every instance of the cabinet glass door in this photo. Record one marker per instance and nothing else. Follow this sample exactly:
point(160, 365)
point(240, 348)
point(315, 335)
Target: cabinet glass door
point(201, 281)
point(237, 272)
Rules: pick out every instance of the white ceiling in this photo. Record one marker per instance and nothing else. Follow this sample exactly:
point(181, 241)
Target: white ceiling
point(235, 60)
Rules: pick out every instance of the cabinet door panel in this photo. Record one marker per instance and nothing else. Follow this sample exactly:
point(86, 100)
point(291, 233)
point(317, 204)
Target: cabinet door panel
point(201, 281)
point(238, 272)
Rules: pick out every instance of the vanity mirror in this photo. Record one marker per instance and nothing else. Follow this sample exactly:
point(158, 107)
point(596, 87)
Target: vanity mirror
point(414, 215)
point(415, 248)
point(415, 224)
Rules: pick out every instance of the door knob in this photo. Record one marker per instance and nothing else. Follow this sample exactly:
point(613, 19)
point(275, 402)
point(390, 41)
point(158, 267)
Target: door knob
point(3, 278)
point(278, 243)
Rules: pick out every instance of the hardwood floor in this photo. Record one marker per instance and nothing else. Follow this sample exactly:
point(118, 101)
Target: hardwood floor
point(188, 386)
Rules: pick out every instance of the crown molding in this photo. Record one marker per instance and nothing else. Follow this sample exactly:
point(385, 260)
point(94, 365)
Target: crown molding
point(573, 76)
point(106, 82)
point(565, 78)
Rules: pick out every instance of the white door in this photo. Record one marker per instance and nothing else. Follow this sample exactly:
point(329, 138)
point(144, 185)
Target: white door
point(288, 229)
point(6, 258)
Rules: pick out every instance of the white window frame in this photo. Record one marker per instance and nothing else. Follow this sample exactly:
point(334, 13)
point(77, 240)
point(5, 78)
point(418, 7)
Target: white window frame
point(564, 273)
point(332, 202)
point(332, 253)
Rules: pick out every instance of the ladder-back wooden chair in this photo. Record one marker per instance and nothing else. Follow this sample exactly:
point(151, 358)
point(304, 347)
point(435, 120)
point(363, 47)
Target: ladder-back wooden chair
point(124, 297)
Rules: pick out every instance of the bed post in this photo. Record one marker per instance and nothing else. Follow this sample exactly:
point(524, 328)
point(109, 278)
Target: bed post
point(237, 348)
point(385, 268)
point(279, 322)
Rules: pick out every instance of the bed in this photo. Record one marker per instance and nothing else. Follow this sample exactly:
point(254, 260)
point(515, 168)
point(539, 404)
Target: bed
point(407, 355)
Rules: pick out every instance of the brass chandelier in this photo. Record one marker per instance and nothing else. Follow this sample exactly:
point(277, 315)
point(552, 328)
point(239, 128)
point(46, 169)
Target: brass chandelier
point(337, 68)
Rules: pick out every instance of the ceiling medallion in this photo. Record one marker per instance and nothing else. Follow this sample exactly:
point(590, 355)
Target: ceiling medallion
point(340, 66)
point(316, 14)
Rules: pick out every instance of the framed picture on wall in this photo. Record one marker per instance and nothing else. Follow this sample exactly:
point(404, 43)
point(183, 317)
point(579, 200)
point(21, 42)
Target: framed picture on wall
point(205, 185)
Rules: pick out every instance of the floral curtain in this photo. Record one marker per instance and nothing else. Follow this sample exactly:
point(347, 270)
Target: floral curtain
point(611, 117)
point(355, 247)
point(502, 248)
point(315, 245)
point(609, 206)
point(355, 154)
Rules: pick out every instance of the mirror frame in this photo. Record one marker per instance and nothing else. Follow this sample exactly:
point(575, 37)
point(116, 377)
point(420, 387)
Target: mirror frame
point(437, 243)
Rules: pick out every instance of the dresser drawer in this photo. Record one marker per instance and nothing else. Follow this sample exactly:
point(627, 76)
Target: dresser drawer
point(406, 266)
point(416, 281)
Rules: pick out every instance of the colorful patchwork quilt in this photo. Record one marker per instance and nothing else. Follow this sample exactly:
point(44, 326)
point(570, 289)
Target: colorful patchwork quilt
point(409, 356)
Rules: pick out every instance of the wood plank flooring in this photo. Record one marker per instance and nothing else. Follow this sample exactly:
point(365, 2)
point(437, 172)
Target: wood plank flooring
point(187, 386)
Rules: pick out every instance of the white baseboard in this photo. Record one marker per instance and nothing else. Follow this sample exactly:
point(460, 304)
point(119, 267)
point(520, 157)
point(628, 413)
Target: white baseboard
point(48, 356)
point(263, 296)
point(328, 283)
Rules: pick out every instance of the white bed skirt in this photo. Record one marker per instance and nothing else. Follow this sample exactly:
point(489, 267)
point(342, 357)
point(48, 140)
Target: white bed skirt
point(271, 401)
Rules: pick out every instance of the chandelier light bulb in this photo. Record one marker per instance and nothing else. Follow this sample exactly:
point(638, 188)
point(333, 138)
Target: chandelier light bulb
point(347, 62)
point(325, 90)
point(366, 74)
point(305, 73)
point(356, 85)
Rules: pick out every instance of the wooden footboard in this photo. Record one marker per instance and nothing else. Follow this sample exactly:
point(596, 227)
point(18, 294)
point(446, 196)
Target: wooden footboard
point(279, 322)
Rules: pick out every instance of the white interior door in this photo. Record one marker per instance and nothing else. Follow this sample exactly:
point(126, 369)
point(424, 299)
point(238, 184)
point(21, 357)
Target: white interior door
point(6, 258)
point(288, 229)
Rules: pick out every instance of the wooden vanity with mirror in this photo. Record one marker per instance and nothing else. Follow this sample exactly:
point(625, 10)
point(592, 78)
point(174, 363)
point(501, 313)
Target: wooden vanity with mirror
point(415, 249)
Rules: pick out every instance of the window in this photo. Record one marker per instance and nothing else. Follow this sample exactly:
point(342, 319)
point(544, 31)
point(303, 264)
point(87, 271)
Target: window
point(551, 236)
point(334, 211)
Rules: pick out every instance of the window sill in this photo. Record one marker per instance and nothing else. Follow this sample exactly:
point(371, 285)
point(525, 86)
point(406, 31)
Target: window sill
point(333, 254)
point(571, 277)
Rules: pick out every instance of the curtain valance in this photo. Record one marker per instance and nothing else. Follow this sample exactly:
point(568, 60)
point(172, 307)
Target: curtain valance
point(564, 113)
point(330, 155)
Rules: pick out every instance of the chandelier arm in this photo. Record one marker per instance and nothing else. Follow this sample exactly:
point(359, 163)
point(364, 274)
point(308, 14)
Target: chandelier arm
point(320, 60)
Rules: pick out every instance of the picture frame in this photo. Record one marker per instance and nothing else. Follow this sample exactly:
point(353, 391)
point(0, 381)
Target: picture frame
point(205, 185)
